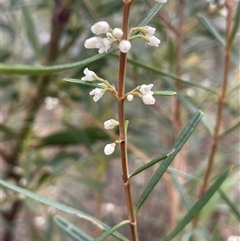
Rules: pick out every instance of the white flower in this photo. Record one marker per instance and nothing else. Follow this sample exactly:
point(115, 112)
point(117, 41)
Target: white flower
point(130, 97)
point(89, 75)
point(97, 93)
point(161, 1)
point(109, 148)
point(91, 43)
point(117, 32)
point(103, 45)
point(148, 99)
point(150, 31)
point(233, 238)
point(146, 89)
point(100, 27)
point(124, 46)
point(153, 41)
point(110, 124)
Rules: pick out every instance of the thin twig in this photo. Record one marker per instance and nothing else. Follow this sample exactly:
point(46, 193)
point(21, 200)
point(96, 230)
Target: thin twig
point(221, 102)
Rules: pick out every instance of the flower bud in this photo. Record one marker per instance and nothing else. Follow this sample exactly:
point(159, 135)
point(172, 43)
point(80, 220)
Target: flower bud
point(124, 46)
point(149, 30)
point(153, 41)
point(117, 32)
point(100, 27)
point(91, 43)
point(110, 124)
point(109, 148)
point(130, 97)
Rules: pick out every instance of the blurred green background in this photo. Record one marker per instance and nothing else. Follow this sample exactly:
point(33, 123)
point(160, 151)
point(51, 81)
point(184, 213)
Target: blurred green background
point(60, 155)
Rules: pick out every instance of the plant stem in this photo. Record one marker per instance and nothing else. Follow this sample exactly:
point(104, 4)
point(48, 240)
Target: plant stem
point(221, 102)
point(121, 118)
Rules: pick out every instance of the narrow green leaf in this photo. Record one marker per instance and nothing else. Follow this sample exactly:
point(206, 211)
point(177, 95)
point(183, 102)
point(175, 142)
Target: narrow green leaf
point(151, 163)
point(185, 134)
point(198, 205)
point(231, 205)
point(82, 82)
point(187, 103)
point(206, 23)
point(72, 230)
point(154, 10)
point(164, 93)
point(110, 231)
point(225, 133)
point(235, 26)
point(184, 196)
point(60, 206)
point(31, 30)
point(172, 76)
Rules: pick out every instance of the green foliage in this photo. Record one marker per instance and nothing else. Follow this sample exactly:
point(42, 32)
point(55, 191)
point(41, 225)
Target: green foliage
point(55, 156)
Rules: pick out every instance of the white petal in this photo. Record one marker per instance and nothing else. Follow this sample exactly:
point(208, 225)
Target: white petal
point(153, 41)
point(110, 124)
point(109, 148)
point(161, 1)
point(149, 30)
point(89, 75)
point(146, 89)
point(117, 32)
point(124, 46)
point(148, 99)
point(103, 45)
point(100, 27)
point(97, 94)
point(91, 43)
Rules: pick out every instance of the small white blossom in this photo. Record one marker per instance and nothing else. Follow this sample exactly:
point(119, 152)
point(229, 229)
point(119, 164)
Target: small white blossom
point(124, 46)
point(233, 238)
point(109, 148)
point(97, 94)
point(117, 32)
point(150, 31)
point(161, 1)
point(110, 124)
point(100, 27)
point(153, 41)
point(130, 97)
point(89, 75)
point(146, 89)
point(103, 45)
point(91, 43)
point(148, 99)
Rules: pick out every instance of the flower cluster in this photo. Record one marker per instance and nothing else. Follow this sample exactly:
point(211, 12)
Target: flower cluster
point(144, 92)
point(115, 36)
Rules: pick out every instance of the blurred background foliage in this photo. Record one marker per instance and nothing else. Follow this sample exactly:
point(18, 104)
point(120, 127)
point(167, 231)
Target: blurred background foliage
point(61, 155)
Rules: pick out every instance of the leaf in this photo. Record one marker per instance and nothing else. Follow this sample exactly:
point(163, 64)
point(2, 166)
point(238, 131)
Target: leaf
point(198, 205)
point(185, 134)
point(155, 9)
point(82, 82)
point(60, 206)
point(236, 25)
point(172, 76)
point(110, 231)
point(231, 205)
point(30, 28)
point(164, 93)
point(184, 196)
point(151, 163)
point(206, 23)
point(71, 229)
